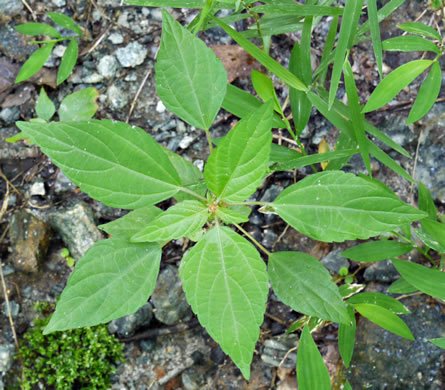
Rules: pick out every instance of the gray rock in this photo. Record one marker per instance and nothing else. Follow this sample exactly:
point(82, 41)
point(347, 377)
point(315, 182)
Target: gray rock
point(29, 237)
point(276, 348)
point(59, 3)
point(127, 326)
point(10, 114)
point(269, 238)
point(193, 378)
point(117, 98)
point(63, 184)
point(10, 7)
point(116, 38)
point(169, 298)
point(271, 193)
point(334, 261)
point(15, 151)
point(383, 271)
point(107, 66)
point(131, 55)
point(37, 188)
point(13, 306)
point(6, 357)
point(76, 226)
point(398, 131)
point(382, 360)
point(13, 44)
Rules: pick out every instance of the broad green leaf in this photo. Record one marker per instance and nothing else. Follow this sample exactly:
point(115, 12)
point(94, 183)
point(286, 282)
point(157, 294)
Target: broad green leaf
point(401, 286)
point(312, 373)
point(337, 206)
point(178, 221)
point(303, 161)
point(347, 386)
point(420, 29)
point(346, 338)
point(234, 214)
point(65, 22)
point(113, 279)
point(45, 108)
point(430, 281)
point(392, 84)
point(439, 342)
point(357, 118)
point(427, 95)
point(237, 166)
point(377, 251)
point(263, 86)
point(349, 24)
point(37, 29)
point(128, 225)
point(297, 9)
point(426, 202)
point(429, 241)
point(379, 299)
point(241, 103)
point(375, 34)
point(304, 284)
point(300, 66)
point(435, 230)
point(385, 319)
point(35, 62)
point(79, 106)
point(190, 80)
point(68, 62)
point(226, 283)
point(262, 57)
point(113, 162)
point(409, 43)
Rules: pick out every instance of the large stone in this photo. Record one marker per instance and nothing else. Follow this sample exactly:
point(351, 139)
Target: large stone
point(29, 238)
point(169, 298)
point(10, 7)
point(14, 45)
point(76, 226)
point(334, 261)
point(127, 326)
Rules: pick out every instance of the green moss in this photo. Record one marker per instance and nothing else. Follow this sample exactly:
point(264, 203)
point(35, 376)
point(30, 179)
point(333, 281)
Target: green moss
point(74, 359)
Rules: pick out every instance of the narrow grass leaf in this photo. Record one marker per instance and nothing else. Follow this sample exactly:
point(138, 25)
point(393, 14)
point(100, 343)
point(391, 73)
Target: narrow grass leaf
point(375, 298)
point(439, 342)
point(35, 62)
point(357, 118)
point(226, 283)
point(65, 22)
point(220, 4)
point(327, 51)
point(429, 241)
point(375, 34)
point(79, 106)
point(127, 226)
point(312, 373)
point(241, 103)
point(283, 154)
point(427, 95)
point(392, 84)
point(297, 9)
point(68, 62)
point(372, 251)
point(420, 29)
point(237, 166)
point(178, 221)
point(113, 279)
point(401, 286)
point(37, 29)
point(304, 284)
point(190, 79)
point(385, 319)
point(426, 202)
point(430, 281)
point(346, 338)
point(45, 108)
point(435, 230)
point(336, 206)
point(349, 24)
point(113, 162)
point(409, 43)
point(262, 57)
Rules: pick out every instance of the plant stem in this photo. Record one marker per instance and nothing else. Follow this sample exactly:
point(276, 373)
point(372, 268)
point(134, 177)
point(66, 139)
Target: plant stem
point(252, 239)
point(209, 140)
point(193, 193)
point(422, 251)
point(250, 203)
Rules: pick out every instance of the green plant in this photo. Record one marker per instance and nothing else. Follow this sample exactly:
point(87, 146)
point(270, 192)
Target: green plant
point(65, 253)
point(36, 61)
point(79, 358)
point(224, 277)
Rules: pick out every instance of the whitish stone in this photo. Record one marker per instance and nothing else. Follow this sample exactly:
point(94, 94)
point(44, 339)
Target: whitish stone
point(107, 66)
point(116, 38)
point(131, 55)
point(37, 188)
point(160, 107)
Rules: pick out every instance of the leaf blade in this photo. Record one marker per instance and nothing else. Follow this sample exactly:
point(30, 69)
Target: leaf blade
point(79, 106)
point(377, 251)
point(35, 62)
point(346, 338)
point(45, 108)
point(68, 62)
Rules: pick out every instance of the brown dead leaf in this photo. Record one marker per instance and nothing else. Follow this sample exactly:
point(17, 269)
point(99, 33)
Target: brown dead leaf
point(287, 381)
point(20, 96)
point(45, 76)
point(8, 73)
point(236, 61)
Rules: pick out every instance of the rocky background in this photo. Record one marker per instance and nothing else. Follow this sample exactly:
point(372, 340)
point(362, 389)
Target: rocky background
point(44, 212)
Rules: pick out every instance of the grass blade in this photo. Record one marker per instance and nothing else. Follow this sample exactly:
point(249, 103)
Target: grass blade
point(375, 34)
